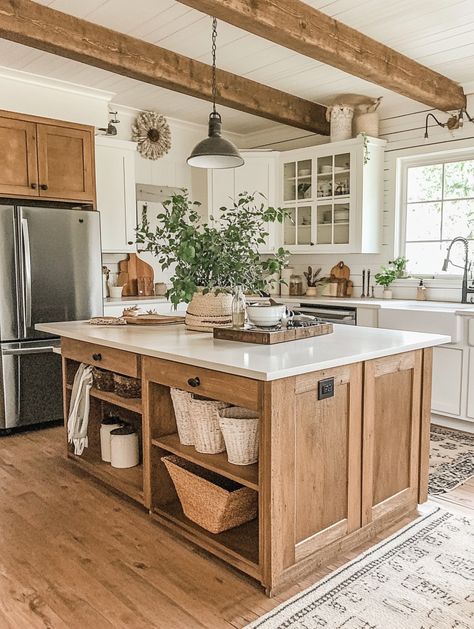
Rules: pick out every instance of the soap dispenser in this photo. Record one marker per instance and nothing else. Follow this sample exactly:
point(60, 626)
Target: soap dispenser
point(421, 292)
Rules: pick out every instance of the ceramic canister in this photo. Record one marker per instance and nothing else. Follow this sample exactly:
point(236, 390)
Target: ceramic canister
point(108, 424)
point(124, 450)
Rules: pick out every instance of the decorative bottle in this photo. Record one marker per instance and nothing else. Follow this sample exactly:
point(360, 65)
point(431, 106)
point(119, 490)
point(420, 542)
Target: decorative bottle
point(238, 308)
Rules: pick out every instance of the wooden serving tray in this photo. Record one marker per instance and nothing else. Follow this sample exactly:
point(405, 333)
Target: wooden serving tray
point(153, 319)
point(270, 337)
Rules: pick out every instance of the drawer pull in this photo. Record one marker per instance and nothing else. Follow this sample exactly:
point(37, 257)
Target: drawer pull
point(97, 356)
point(44, 186)
point(194, 382)
point(34, 186)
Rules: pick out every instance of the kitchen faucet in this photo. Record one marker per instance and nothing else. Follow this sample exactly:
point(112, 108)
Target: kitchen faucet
point(466, 287)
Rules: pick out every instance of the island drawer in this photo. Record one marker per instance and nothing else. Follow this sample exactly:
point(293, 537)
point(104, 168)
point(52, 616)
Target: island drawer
point(108, 358)
point(206, 382)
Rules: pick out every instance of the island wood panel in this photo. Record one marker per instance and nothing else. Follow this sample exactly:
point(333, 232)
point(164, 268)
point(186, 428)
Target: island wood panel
point(212, 384)
point(328, 465)
point(116, 360)
point(18, 172)
point(66, 163)
point(425, 425)
point(391, 434)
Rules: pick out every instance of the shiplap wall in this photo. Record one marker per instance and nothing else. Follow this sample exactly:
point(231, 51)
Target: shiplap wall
point(404, 135)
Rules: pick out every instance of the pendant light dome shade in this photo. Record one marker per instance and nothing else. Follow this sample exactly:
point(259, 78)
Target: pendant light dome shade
point(215, 151)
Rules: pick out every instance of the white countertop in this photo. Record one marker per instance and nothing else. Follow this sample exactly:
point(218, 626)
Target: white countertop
point(347, 345)
point(386, 304)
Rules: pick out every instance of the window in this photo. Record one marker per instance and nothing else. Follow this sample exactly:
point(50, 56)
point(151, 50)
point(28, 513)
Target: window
point(438, 205)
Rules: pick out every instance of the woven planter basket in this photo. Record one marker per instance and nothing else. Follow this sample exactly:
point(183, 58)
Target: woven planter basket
point(240, 430)
point(182, 412)
point(366, 123)
point(209, 311)
point(208, 499)
point(341, 122)
point(206, 431)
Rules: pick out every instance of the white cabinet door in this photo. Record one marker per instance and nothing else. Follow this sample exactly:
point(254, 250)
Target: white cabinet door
point(470, 385)
point(258, 174)
point(367, 317)
point(115, 172)
point(447, 380)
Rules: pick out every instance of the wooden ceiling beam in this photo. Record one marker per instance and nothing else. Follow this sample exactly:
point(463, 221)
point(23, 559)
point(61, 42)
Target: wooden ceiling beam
point(46, 29)
point(301, 28)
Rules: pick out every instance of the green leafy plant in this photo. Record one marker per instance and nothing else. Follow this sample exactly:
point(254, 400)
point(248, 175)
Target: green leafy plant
point(366, 147)
point(214, 256)
point(312, 277)
point(385, 277)
point(400, 266)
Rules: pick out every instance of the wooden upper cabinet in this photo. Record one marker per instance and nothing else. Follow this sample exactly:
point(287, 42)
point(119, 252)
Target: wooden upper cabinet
point(18, 172)
point(65, 163)
point(46, 158)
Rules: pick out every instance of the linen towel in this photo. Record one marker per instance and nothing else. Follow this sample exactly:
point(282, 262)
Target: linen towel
point(78, 420)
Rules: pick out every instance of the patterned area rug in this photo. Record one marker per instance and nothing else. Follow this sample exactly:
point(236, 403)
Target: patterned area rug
point(420, 578)
point(451, 459)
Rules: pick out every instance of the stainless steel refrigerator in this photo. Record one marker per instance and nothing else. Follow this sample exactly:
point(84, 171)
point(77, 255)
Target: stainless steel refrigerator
point(50, 270)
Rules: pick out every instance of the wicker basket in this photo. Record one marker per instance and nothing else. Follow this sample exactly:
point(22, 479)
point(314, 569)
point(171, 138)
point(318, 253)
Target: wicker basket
point(208, 499)
point(209, 311)
point(205, 417)
point(103, 379)
point(240, 430)
point(182, 411)
point(126, 386)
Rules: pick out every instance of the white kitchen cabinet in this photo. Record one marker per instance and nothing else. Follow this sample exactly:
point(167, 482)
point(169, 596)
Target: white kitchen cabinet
point(447, 380)
point(470, 385)
point(258, 174)
point(367, 317)
point(115, 174)
point(334, 195)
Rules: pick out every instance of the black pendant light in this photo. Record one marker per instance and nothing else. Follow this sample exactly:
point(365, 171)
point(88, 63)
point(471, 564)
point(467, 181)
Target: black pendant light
point(215, 151)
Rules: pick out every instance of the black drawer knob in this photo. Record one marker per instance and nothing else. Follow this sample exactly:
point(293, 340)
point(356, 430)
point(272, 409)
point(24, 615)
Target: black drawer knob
point(97, 356)
point(34, 186)
point(194, 382)
point(44, 186)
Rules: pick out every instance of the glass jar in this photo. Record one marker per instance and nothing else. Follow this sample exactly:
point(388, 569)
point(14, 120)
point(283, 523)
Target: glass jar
point(296, 285)
point(238, 308)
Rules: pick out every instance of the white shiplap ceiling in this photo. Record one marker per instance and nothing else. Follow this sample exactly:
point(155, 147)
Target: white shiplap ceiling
point(437, 33)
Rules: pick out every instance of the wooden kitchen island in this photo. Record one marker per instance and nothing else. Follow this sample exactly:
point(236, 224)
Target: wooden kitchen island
point(332, 473)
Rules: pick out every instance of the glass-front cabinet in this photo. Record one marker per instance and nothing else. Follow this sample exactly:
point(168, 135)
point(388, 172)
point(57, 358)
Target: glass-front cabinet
point(332, 193)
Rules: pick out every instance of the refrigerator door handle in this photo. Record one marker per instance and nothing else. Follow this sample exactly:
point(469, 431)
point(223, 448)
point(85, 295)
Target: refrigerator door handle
point(29, 350)
point(26, 272)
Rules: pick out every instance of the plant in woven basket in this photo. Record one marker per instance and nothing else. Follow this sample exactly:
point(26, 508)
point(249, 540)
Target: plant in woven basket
point(213, 256)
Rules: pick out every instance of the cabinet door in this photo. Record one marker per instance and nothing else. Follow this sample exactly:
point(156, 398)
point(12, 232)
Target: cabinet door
point(66, 163)
point(222, 191)
point(391, 434)
point(18, 171)
point(447, 380)
point(115, 169)
point(257, 175)
point(470, 385)
point(327, 468)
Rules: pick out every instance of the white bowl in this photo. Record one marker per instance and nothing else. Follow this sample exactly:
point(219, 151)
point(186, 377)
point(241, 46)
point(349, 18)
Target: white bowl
point(264, 315)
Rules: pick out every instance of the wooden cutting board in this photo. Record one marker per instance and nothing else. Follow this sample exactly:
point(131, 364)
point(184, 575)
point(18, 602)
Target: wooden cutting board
point(130, 270)
point(153, 319)
point(341, 271)
point(267, 337)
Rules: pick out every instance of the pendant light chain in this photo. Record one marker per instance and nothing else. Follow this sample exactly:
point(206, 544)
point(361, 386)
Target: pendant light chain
point(214, 49)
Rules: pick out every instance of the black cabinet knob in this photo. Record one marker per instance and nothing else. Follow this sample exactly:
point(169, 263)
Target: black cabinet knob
point(130, 242)
point(43, 186)
point(34, 186)
point(97, 356)
point(194, 382)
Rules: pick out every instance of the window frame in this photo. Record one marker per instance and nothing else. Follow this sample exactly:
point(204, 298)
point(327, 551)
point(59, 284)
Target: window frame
point(402, 188)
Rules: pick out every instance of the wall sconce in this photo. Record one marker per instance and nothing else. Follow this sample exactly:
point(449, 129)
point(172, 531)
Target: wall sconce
point(455, 121)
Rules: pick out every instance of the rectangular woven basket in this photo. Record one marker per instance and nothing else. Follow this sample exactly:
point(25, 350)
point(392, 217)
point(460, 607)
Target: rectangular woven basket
point(208, 499)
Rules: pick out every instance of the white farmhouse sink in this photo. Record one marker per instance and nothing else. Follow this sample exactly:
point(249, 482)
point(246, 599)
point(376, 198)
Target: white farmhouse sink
point(435, 320)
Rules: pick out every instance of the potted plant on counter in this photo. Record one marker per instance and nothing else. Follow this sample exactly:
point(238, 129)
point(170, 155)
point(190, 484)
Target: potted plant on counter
point(210, 259)
point(314, 281)
point(385, 278)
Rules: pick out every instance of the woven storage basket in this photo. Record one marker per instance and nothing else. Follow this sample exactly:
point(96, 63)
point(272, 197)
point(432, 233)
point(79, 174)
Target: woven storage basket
point(182, 412)
point(240, 430)
point(207, 434)
point(208, 499)
point(209, 311)
point(103, 379)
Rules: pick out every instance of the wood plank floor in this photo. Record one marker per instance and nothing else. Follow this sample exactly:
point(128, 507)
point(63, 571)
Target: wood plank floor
point(72, 555)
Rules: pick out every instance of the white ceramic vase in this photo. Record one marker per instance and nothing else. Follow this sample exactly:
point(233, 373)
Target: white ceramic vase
point(387, 293)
